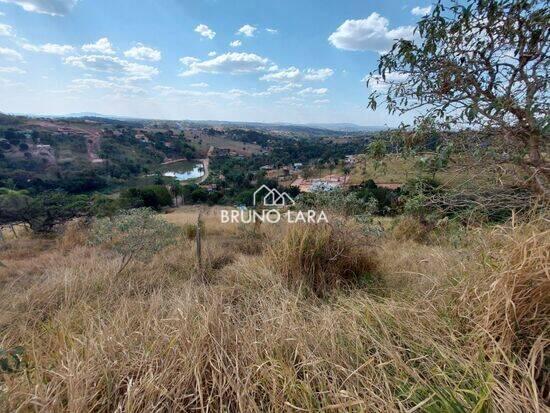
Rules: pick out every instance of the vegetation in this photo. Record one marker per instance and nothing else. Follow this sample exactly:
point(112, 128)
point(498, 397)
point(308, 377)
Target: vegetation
point(432, 297)
point(483, 63)
point(325, 319)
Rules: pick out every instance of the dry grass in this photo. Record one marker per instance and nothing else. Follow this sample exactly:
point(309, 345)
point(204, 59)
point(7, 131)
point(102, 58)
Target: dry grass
point(323, 257)
point(158, 337)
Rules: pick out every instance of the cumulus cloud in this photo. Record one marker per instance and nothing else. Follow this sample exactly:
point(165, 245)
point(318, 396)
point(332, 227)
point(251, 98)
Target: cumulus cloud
point(272, 31)
point(312, 91)
point(205, 31)
point(102, 46)
point(201, 84)
point(293, 74)
point(188, 60)
point(50, 48)
point(9, 54)
point(247, 30)
point(6, 30)
point(376, 82)
point(421, 11)
point(51, 7)
point(142, 52)
point(212, 54)
point(12, 69)
point(235, 43)
point(372, 33)
point(232, 63)
point(111, 64)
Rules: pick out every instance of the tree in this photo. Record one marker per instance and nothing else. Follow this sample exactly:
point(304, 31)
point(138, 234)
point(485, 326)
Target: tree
point(482, 63)
point(45, 211)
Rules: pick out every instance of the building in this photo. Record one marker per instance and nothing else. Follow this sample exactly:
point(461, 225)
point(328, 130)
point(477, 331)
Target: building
point(327, 183)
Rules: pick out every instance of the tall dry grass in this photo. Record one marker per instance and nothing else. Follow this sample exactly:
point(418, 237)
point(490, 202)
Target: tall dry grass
point(159, 337)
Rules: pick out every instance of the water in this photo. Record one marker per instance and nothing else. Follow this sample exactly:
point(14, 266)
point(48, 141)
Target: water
point(197, 171)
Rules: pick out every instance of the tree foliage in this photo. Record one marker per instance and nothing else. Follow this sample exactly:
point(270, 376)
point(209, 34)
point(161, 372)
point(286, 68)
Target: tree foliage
point(480, 63)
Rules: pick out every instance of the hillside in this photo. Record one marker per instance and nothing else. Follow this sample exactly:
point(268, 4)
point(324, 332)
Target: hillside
point(267, 324)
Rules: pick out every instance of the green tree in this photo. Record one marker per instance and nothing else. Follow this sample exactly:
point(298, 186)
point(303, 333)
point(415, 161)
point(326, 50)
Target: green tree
point(482, 63)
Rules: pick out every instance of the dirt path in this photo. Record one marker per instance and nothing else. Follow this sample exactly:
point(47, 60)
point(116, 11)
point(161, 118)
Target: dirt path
point(206, 169)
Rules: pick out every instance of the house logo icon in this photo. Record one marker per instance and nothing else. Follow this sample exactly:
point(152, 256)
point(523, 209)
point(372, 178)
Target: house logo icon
point(271, 197)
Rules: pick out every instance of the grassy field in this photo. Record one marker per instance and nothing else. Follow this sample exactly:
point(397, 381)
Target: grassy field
point(463, 172)
point(281, 318)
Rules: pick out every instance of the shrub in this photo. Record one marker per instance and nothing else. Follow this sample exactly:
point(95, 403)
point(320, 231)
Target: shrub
point(322, 257)
point(135, 234)
point(151, 196)
point(348, 204)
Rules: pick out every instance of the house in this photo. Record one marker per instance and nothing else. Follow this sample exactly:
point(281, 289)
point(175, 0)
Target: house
point(326, 183)
point(298, 165)
point(266, 168)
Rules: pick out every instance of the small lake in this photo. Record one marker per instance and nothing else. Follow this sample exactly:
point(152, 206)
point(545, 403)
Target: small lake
point(184, 171)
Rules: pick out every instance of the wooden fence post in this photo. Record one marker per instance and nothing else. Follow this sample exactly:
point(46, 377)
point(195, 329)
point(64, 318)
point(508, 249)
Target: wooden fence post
point(198, 242)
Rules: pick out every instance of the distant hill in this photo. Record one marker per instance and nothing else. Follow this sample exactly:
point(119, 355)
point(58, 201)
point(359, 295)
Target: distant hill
point(346, 127)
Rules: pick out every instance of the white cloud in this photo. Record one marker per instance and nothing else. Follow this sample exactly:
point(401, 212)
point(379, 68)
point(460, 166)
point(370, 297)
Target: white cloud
point(50, 48)
point(2, 14)
point(12, 69)
point(232, 63)
point(372, 33)
point(205, 31)
point(6, 30)
point(188, 60)
point(293, 74)
point(235, 43)
point(421, 11)
point(272, 31)
point(321, 101)
point(102, 46)
point(311, 91)
point(317, 74)
point(117, 88)
point(111, 64)
point(169, 91)
point(9, 54)
point(142, 52)
point(51, 7)
point(247, 30)
point(212, 54)
point(284, 88)
point(376, 82)
point(201, 84)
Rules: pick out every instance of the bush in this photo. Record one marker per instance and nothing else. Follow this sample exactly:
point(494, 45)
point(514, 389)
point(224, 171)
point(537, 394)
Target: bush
point(151, 196)
point(321, 258)
point(348, 204)
point(135, 234)
point(45, 211)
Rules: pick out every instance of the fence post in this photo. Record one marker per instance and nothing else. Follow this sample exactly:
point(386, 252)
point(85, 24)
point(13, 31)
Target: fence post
point(198, 242)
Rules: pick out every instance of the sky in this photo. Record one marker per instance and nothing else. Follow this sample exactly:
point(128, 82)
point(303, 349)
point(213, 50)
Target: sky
point(298, 61)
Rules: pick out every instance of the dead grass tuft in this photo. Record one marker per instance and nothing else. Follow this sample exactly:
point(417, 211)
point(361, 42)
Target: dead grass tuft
point(322, 257)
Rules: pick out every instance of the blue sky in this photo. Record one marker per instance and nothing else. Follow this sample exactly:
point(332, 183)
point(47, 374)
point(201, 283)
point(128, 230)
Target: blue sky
point(243, 60)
